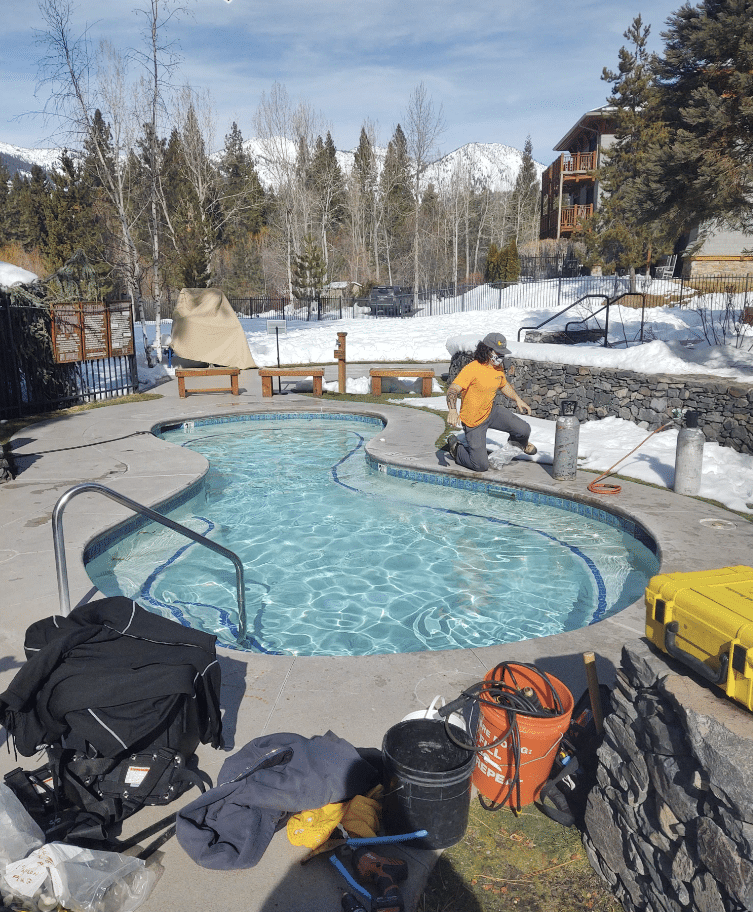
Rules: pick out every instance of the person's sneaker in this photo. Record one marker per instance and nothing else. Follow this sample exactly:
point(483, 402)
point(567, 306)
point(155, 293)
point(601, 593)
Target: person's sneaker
point(452, 445)
point(530, 449)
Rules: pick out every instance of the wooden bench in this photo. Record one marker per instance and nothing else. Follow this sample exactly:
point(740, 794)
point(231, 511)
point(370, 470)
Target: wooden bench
point(377, 373)
point(184, 374)
point(266, 374)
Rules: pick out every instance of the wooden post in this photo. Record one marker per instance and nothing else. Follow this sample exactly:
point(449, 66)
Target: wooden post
point(589, 659)
point(340, 355)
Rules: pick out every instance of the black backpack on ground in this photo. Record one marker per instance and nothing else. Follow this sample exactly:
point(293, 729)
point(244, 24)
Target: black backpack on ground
point(120, 699)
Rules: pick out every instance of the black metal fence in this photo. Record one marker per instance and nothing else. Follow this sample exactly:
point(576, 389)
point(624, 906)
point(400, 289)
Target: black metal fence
point(32, 382)
point(279, 307)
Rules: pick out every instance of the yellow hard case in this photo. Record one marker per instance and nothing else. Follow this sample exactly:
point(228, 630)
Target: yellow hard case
point(705, 619)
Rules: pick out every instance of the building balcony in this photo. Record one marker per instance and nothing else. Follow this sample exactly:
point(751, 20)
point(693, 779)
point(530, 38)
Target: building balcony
point(570, 218)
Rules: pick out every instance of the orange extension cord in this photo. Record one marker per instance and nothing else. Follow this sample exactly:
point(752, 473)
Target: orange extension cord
point(596, 488)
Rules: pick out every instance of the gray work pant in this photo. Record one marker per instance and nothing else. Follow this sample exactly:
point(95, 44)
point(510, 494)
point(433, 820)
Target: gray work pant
point(472, 454)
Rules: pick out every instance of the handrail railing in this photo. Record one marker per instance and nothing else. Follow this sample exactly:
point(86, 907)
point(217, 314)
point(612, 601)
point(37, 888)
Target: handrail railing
point(93, 488)
point(625, 294)
point(564, 310)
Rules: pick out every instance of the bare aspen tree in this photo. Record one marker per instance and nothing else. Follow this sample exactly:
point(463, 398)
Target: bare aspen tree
point(424, 125)
point(96, 114)
point(158, 60)
point(286, 137)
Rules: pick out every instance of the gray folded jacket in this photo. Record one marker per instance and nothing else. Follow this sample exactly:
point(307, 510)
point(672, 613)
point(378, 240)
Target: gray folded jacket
point(230, 826)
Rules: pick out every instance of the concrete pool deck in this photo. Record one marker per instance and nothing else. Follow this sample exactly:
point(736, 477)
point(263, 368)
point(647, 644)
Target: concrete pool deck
point(358, 698)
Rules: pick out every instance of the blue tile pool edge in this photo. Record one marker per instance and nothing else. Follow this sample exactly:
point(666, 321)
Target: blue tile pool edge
point(104, 541)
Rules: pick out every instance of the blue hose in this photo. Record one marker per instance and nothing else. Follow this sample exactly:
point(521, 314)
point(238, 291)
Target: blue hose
point(386, 840)
point(351, 882)
point(372, 840)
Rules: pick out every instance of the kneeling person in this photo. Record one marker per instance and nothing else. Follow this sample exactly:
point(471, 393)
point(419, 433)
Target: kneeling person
point(478, 384)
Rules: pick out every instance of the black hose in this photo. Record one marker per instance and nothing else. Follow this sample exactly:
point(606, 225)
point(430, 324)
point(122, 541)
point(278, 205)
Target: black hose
point(496, 692)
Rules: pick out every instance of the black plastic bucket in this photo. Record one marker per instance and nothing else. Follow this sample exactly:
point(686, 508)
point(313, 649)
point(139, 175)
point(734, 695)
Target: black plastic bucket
point(427, 782)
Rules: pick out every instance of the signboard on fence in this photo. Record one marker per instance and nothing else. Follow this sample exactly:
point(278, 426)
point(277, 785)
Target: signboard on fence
point(86, 331)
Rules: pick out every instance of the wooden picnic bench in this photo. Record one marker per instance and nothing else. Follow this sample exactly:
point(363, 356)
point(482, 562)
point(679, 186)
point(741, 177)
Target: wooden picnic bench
point(184, 374)
point(377, 373)
point(266, 374)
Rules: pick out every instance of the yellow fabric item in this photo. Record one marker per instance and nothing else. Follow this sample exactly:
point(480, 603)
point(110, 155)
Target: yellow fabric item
point(361, 816)
point(364, 814)
point(312, 828)
point(479, 383)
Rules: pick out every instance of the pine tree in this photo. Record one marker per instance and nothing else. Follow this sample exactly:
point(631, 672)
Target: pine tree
point(703, 170)
point(396, 202)
point(326, 183)
point(237, 264)
point(509, 262)
point(364, 210)
point(491, 272)
point(619, 236)
point(70, 218)
point(524, 201)
point(309, 270)
point(4, 205)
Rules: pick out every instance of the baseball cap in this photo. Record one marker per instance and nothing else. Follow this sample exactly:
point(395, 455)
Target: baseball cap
point(497, 343)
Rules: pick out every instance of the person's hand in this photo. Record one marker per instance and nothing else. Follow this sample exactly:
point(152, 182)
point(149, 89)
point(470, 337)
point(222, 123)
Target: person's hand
point(452, 417)
point(524, 407)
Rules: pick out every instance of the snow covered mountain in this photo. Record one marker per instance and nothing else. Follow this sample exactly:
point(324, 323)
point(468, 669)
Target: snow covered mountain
point(489, 164)
point(15, 158)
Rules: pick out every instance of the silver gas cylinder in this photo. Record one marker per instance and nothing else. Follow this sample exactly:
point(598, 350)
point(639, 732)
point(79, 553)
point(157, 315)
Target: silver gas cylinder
point(689, 456)
point(566, 434)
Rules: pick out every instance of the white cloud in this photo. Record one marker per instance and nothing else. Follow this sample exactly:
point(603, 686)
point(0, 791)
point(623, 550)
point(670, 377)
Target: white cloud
point(500, 70)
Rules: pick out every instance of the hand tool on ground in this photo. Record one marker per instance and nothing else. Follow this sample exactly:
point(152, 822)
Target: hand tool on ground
point(385, 873)
point(351, 904)
point(392, 902)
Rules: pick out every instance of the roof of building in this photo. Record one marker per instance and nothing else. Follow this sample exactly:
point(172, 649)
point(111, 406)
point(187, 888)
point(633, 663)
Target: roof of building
point(584, 123)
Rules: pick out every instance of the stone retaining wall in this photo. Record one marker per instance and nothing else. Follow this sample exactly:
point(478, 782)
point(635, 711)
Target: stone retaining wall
point(725, 407)
point(669, 825)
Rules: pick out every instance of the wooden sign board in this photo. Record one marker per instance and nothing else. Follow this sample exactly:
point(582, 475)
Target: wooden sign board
point(88, 331)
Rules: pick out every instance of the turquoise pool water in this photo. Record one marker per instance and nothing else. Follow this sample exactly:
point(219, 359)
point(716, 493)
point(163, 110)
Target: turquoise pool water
point(342, 558)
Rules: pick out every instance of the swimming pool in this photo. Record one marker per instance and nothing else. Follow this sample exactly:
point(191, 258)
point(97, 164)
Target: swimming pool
point(343, 556)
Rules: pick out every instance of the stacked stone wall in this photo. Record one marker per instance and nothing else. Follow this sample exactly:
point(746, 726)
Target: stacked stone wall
point(669, 824)
point(725, 408)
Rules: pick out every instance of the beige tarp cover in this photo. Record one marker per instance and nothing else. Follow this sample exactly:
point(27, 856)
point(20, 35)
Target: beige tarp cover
point(206, 328)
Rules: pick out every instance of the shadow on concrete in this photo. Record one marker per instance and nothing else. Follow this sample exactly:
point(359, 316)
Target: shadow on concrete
point(233, 689)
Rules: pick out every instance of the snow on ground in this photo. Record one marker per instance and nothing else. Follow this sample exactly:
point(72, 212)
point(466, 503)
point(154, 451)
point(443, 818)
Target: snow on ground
point(677, 347)
point(15, 275)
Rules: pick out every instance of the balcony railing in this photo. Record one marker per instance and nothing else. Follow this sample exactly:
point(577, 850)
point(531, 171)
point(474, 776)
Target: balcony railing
point(574, 215)
point(579, 162)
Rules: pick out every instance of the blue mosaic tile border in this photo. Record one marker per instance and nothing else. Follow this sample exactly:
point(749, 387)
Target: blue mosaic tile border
point(629, 526)
point(274, 416)
point(538, 498)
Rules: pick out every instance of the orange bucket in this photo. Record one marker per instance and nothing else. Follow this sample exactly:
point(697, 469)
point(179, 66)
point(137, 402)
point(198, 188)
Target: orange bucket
point(538, 737)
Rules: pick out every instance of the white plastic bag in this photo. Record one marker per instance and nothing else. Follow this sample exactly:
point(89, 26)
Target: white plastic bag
point(503, 455)
point(80, 880)
point(432, 712)
point(19, 834)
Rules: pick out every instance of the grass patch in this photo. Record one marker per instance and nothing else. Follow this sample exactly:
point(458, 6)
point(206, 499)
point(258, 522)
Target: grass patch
point(507, 863)
point(14, 425)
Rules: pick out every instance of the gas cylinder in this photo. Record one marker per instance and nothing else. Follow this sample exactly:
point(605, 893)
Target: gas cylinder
point(689, 456)
point(566, 434)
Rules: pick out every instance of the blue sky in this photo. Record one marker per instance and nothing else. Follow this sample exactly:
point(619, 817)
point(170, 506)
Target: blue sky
point(499, 69)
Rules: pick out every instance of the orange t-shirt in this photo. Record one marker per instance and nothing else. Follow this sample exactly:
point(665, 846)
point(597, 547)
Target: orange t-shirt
point(479, 383)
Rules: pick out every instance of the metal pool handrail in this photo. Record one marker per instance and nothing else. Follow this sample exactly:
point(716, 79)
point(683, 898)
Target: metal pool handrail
point(92, 488)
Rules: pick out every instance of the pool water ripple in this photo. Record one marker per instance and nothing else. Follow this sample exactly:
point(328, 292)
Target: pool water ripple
point(340, 559)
